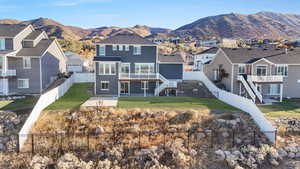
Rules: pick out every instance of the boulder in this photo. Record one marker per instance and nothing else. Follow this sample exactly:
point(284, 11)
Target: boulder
point(274, 162)
point(291, 155)
point(99, 130)
point(282, 153)
point(40, 162)
point(220, 155)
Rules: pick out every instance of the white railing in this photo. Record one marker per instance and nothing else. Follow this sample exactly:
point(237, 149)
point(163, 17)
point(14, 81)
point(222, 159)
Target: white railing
point(44, 101)
point(165, 84)
point(257, 93)
point(137, 76)
point(247, 87)
point(8, 73)
point(239, 102)
point(274, 78)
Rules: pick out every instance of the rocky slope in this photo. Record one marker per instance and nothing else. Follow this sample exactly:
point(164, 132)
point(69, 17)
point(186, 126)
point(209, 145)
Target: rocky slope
point(259, 25)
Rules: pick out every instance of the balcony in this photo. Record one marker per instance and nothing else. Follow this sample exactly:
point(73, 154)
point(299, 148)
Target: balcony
point(136, 76)
point(8, 73)
point(267, 79)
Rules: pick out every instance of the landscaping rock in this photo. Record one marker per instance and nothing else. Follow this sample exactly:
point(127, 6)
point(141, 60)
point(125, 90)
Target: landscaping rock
point(99, 130)
point(220, 155)
point(39, 162)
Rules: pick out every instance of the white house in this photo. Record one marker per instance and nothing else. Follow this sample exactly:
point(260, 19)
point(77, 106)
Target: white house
point(204, 57)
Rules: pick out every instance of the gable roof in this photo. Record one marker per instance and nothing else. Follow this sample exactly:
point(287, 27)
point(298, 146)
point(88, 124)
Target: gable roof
point(33, 35)
point(251, 55)
point(212, 50)
point(38, 50)
point(126, 38)
point(170, 59)
point(11, 30)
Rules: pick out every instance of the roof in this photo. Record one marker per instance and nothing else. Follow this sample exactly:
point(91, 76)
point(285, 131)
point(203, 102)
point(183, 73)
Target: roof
point(11, 30)
point(33, 35)
point(250, 55)
point(114, 58)
point(212, 50)
point(170, 58)
point(126, 38)
point(4, 52)
point(38, 50)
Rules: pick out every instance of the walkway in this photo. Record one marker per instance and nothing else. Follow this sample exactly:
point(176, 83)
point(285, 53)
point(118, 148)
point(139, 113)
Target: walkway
point(101, 101)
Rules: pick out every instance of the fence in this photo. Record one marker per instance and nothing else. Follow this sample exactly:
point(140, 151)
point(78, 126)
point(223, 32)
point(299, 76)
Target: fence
point(84, 77)
point(45, 100)
point(236, 101)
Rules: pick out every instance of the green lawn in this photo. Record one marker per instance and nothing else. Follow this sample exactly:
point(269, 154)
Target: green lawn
point(76, 95)
point(173, 102)
point(287, 108)
point(19, 105)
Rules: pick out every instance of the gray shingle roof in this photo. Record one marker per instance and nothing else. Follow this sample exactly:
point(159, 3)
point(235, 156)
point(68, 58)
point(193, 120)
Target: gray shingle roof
point(38, 50)
point(212, 50)
point(277, 56)
point(126, 38)
point(33, 35)
point(170, 58)
point(11, 30)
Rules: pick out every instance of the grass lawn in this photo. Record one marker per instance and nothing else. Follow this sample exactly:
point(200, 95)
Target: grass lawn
point(287, 108)
point(19, 105)
point(173, 102)
point(76, 95)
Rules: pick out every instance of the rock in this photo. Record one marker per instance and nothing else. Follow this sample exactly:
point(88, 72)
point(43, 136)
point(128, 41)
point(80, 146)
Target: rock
point(99, 130)
point(220, 155)
point(1, 130)
point(237, 141)
point(69, 161)
point(225, 134)
point(81, 127)
point(200, 136)
point(106, 164)
point(238, 167)
point(297, 155)
point(39, 162)
point(274, 162)
point(291, 155)
point(282, 153)
point(193, 152)
point(2, 147)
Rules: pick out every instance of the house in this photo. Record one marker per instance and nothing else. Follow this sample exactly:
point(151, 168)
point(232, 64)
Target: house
point(204, 57)
point(210, 43)
point(75, 63)
point(29, 60)
point(263, 75)
point(129, 65)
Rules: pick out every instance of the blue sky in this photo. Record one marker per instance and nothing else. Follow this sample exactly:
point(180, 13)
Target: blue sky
point(124, 13)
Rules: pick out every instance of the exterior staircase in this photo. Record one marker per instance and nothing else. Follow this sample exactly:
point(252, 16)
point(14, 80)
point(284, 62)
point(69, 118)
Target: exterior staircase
point(165, 84)
point(255, 95)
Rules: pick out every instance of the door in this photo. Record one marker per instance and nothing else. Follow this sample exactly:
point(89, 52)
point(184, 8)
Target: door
point(125, 88)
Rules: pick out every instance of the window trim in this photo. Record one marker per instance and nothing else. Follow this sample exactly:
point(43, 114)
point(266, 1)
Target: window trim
point(26, 84)
point(24, 62)
point(137, 52)
point(284, 66)
point(102, 82)
point(110, 68)
point(103, 51)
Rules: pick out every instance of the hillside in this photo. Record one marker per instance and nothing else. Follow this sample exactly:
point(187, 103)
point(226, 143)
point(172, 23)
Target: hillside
point(259, 25)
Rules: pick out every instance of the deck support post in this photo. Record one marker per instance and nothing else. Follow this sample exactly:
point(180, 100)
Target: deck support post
point(281, 92)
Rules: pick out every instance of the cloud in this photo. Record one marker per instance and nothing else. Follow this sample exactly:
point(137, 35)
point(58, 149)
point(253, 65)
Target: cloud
point(77, 2)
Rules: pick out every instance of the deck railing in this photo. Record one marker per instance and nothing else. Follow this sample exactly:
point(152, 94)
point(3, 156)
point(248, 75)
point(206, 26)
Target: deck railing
point(8, 73)
point(137, 76)
point(275, 78)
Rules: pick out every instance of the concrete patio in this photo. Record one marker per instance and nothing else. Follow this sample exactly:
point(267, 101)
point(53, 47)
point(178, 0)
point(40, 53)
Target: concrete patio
point(101, 102)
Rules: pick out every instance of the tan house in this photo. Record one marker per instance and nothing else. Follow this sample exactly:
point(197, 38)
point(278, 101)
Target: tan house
point(263, 75)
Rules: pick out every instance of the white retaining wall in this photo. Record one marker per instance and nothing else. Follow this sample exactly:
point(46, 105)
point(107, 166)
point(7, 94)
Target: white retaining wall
point(236, 101)
point(44, 101)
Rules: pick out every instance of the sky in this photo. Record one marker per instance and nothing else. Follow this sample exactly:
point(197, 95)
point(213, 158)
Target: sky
point(126, 13)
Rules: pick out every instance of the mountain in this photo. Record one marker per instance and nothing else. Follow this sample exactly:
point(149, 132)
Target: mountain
point(61, 31)
point(260, 25)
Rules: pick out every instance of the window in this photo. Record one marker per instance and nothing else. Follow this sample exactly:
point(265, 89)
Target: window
point(242, 69)
point(125, 67)
point(23, 83)
point(274, 89)
point(102, 50)
point(145, 85)
point(281, 70)
point(144, 68)
point(261, 70)
point(114, 47)
point(107, 68)
point(120, 47)
point(136, 50)
point(26, 62)
point(126, 47)
point(2, 44)
point(216, 74)
point(104, 85)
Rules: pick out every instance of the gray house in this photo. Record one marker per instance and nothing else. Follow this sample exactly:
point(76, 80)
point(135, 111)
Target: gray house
point(263, 75)
point(129, 65)
point(29, 60)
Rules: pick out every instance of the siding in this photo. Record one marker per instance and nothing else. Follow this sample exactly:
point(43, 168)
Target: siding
point(50, 68)
point(32, 74)
point(171, 71)
point(220, 59)
point(291, 85)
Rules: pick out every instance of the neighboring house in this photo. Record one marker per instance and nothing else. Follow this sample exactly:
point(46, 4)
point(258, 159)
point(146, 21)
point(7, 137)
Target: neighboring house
point(259, 74)
point(128, 65)
point(75, 63)
point(29, 60)
point(204, 57)
point(211, 43)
